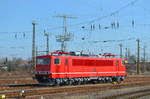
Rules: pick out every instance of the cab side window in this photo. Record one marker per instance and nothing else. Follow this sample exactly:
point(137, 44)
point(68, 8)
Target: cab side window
point(56, 61)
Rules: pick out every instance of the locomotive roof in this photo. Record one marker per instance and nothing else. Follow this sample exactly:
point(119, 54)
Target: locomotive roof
point(72, 54)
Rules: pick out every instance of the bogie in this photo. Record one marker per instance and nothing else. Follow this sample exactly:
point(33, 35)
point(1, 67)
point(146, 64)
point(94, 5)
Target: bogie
point(79, 81)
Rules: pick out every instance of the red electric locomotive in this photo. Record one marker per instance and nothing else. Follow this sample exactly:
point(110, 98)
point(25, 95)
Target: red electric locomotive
point(61, 68)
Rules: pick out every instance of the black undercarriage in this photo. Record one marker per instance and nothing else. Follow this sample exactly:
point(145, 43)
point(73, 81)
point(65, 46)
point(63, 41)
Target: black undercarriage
point(79, 80)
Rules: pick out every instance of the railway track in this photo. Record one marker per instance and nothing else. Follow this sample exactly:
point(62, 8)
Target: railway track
point(70, 90)
point(8, 87)
point(31, 81)
point(11, 81)
point(20, 84)
point(35, 90)
point(129, 94)
point(35, 85)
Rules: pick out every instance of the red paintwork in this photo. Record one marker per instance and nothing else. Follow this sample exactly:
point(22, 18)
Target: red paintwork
point(43, 67)
point(78, 66)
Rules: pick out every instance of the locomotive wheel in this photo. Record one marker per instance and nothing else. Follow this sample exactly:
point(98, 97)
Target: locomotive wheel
point(79, 82)
point(57, 83)
point(70, 82)
point(84, 82)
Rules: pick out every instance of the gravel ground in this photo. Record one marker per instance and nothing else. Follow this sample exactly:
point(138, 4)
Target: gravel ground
point(99, 95)
point(145, 97)
point(95, 95)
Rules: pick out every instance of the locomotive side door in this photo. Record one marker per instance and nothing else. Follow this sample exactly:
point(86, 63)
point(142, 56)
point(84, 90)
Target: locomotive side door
point(66, 67)
point(117, 67)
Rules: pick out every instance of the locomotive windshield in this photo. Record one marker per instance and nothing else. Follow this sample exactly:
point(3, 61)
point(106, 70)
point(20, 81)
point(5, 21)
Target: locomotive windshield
point(43, 61)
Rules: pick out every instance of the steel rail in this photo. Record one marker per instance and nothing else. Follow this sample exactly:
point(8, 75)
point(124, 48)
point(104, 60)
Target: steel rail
point(71, 89)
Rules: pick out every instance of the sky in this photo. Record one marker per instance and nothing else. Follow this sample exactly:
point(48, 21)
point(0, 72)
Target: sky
point(17, 15)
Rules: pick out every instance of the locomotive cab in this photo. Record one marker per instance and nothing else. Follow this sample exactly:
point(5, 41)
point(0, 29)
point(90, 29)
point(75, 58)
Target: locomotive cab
point(43, 71)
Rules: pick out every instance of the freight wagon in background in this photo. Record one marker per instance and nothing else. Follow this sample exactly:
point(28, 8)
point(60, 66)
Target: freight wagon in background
point(61, 68)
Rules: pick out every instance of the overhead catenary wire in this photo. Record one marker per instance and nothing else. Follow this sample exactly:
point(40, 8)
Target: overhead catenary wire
point(105, 41)
point(101, 17)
